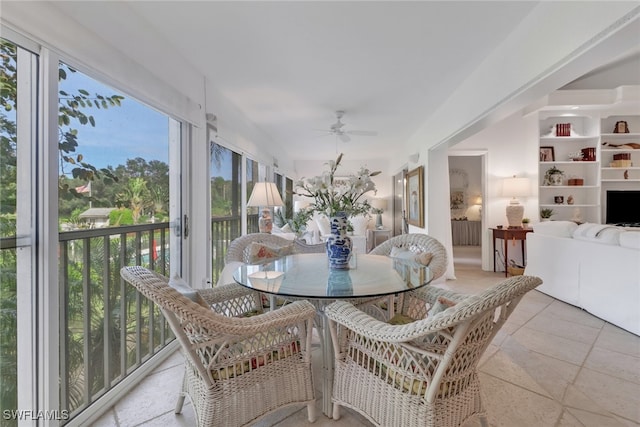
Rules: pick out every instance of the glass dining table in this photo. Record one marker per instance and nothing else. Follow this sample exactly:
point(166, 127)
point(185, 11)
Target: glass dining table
point(308, 276)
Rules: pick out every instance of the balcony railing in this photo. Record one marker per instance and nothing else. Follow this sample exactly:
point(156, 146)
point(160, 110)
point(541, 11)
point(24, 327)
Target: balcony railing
point(107, 329)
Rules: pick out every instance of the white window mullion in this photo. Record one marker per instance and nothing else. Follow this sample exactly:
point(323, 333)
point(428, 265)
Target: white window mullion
point(25, 233)
point(47, 224)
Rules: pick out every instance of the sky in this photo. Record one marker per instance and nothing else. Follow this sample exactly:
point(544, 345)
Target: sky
point(126, 132)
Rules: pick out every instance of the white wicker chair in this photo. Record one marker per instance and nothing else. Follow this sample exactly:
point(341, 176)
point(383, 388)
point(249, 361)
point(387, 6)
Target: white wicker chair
point(237, 368)
point(416, 242)
point(422, 373)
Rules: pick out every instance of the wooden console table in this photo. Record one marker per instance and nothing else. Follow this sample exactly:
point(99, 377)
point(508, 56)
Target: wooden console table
point(507, 234)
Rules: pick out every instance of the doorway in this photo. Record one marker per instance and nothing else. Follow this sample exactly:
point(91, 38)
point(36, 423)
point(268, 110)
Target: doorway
point(467, 196)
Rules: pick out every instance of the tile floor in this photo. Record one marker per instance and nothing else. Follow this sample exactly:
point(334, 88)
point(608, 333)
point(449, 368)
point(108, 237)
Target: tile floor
point(552, 364)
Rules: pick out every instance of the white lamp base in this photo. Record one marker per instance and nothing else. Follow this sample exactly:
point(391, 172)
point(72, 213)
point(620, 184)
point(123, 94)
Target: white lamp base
point(514, 215)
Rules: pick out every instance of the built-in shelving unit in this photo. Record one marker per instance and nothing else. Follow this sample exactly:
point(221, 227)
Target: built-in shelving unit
point(579, 202)
point(615, 164)
point(620, 144)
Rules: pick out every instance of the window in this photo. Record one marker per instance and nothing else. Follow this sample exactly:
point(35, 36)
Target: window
point(226, 207)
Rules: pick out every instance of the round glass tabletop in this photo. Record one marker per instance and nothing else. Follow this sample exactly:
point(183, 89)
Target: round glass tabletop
point(309, 276)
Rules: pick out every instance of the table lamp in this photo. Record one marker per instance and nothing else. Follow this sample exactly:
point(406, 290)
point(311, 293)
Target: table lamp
point(514, 188)
point(265, 195)
point(379, 205)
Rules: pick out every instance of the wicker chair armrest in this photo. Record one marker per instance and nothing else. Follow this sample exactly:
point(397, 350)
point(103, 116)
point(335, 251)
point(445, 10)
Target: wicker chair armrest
point(470, 307)
point(224, 292)
point(351, 317)
point(288, 315)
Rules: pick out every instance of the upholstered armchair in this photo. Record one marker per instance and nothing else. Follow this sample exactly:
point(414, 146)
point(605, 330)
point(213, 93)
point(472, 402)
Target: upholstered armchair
point(419, 369)
point(240, 363)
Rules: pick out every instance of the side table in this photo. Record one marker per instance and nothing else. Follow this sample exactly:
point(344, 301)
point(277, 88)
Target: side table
point(507, 234)
point(375, 237)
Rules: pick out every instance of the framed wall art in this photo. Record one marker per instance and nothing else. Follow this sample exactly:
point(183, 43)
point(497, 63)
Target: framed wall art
point(547, 154)
point(415, 197)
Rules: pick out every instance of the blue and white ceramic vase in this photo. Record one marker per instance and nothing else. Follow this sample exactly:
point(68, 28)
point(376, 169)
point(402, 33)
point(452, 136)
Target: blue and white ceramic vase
point(338, 243)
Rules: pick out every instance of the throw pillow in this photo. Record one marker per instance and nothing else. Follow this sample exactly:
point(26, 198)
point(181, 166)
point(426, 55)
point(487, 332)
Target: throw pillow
point(440, 305)
point(179, 284)
point(226, 276)
point(260, 253)
point(423, 258)
point(402, 253)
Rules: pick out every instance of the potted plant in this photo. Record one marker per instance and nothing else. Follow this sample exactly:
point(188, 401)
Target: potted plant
point(554, 176)
point(525, 222)
point(546, 213)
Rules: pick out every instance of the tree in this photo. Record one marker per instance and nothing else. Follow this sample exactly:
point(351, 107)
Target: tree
point(71, 113)
point(136, 197)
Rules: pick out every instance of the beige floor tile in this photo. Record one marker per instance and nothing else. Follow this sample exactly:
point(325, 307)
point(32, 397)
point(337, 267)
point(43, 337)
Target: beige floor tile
point(617, 339)
point(509, 405)
point(615, 364)
point(503, 367)
point(589, 419)
point(156, 395)
point(564, 328)
point(617, 396)
point(551, 345)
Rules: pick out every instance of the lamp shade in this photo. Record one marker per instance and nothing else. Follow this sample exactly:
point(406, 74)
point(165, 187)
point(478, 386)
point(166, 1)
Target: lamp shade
point(516, 187)
point(265, 194)
point(379, 204)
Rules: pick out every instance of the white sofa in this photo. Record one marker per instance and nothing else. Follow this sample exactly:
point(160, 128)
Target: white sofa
point(593, 266)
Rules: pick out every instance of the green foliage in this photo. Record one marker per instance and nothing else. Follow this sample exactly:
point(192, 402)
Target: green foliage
point(546, 212)
point(72, 112)
point(122, 216)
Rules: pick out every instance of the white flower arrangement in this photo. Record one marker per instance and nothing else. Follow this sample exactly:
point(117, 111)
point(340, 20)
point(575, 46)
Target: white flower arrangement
point(331, 196)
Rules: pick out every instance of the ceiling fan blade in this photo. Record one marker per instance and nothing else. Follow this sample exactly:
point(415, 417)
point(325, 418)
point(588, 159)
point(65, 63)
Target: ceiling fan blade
point(362, 132)
point(344, 137)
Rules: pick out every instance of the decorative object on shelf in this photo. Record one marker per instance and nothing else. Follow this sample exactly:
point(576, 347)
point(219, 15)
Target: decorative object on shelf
point(546, 213)
point(626, 174)
point(338, 243)
point(570, 199)
point(415, 197)
point(338, 199)
point(547, 154)
point(563, 129)
point(577, 216)
point(553, 176)
point(625, 146)
point(514, 188)
point(621, 127)
point(558, 200)
point(265, 195)
point(378, 207)
point(575, 156)
point(575, 181)
point(589, 154)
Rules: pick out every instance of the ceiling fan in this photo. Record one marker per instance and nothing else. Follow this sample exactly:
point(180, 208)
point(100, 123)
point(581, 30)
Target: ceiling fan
point(337, 129)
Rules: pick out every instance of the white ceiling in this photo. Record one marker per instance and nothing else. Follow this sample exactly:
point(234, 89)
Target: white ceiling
point(288, 66)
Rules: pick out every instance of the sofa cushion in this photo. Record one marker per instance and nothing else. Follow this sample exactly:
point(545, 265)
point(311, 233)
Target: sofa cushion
point(555, 228)
point(630, 239)
point(600, 233)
